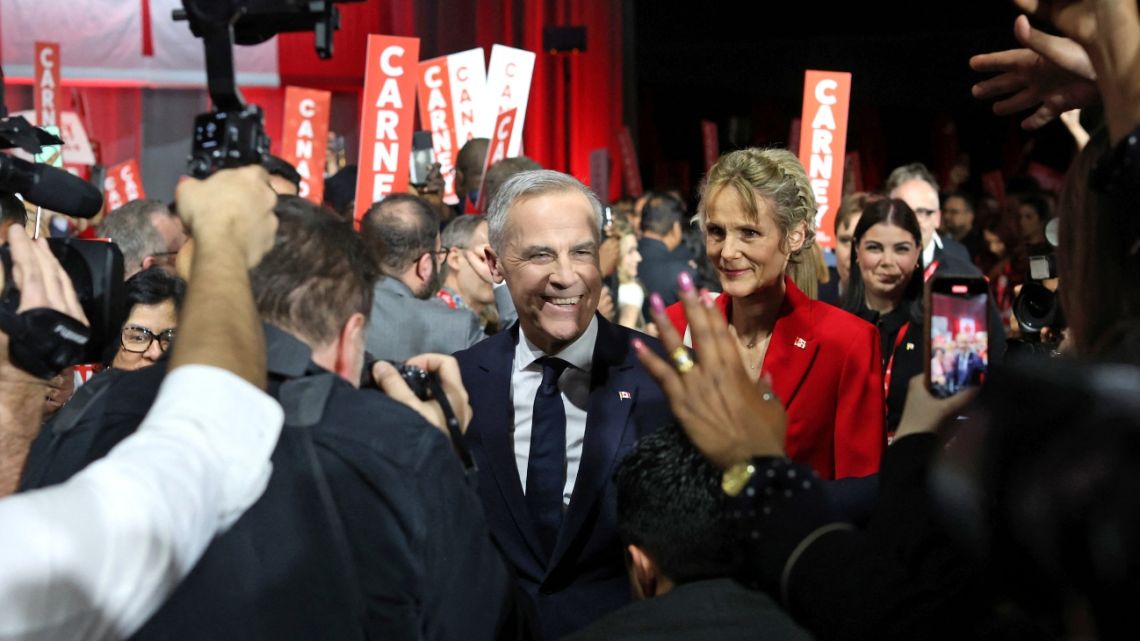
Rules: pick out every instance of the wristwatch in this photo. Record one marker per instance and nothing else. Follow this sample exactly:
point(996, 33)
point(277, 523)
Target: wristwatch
point(736, 477)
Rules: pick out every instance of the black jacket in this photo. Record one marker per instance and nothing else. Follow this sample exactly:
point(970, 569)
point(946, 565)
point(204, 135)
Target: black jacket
point(368, 529)
point(709, 610)
point(659, 269)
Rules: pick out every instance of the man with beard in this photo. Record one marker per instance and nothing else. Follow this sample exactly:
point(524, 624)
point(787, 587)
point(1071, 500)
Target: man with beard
point(407, 319)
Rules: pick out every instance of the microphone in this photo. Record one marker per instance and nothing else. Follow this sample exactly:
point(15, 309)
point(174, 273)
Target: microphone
point(49, 187)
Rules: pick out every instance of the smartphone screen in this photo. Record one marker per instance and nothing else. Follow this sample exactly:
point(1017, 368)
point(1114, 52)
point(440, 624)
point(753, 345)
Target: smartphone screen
point(422, 157)
point(958, 336)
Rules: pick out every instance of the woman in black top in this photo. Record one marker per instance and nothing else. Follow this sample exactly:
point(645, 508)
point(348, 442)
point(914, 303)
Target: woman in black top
point(886, 289)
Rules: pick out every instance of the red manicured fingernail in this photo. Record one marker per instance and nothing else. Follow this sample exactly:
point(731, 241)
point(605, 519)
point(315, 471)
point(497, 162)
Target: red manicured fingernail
point(685, 281)
point(656, 303)
point(638, 346)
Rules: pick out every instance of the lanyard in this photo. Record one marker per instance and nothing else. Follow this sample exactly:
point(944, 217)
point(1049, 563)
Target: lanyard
point(929, 271)
point(891, 360)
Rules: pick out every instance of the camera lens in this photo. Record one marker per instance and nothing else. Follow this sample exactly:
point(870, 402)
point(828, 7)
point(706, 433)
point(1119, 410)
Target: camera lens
point(1035, 308)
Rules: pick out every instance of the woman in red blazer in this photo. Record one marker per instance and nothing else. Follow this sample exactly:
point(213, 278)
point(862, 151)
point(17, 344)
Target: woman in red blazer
point(757, 211)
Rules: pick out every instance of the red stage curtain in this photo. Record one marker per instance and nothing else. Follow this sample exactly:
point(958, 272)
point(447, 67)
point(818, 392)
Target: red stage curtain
point(595, 75)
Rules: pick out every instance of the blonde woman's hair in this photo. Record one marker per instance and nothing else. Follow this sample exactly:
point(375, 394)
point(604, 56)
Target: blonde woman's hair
point(776, 176)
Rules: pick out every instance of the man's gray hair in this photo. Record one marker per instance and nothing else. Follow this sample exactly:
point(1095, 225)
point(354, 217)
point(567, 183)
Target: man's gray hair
point(459, 231)
point(131, 229)
point(907, 173)
point(529, 184)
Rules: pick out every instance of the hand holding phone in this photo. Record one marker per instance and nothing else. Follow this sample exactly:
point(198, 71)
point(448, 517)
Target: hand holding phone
point(956, 336)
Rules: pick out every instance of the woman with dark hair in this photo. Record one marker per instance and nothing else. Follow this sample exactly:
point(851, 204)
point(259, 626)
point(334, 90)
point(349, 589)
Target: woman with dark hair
point(153, 297)
point(886, 289)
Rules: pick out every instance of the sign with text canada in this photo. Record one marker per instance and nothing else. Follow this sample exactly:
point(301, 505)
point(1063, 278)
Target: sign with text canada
point(304, 139)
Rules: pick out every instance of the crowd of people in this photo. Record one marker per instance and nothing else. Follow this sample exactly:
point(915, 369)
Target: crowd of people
point(642, 420)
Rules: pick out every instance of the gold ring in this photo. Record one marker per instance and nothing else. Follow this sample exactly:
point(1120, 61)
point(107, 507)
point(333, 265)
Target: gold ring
point(682, 360)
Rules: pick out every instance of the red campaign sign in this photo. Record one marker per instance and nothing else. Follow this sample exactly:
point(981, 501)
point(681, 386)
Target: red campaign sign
point(711, 144)
point(630, 169)
point(47, 93)
point(438, 116)
point(386, 118)
point(496, 151)
point(823, 144)
point(994, 185)
point(1050, 179)
point(121, 185)
point(304, 138)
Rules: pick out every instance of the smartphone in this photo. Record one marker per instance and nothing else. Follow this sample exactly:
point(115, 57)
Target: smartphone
point(423, 157)
point(957, 333)
point(607, 220)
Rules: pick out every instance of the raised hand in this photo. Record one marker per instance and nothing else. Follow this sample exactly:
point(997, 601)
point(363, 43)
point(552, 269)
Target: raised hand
point(728, 416)
point(1053, 74)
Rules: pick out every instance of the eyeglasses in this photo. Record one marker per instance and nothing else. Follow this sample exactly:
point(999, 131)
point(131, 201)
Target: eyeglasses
point(138, 339)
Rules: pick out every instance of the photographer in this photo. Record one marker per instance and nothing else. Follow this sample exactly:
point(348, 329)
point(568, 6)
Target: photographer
point(368, 527)
point(93, 558)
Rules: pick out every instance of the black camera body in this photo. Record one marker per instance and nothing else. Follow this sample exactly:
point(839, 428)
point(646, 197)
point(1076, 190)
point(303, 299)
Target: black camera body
point(419, 380)
point(1036, 306)
point(226, 139)
point(96, 272)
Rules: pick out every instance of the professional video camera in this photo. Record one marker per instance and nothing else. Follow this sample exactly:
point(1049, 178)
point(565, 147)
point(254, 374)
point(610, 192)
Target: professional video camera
point(44, 342)
point(233, 133)
point(1036, 308)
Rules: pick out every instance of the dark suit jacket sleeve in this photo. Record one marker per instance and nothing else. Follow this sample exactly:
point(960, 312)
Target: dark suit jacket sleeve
point(420, 541)
point(859, 434)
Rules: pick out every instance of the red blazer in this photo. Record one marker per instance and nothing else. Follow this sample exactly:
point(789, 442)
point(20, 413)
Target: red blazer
point(826, 368)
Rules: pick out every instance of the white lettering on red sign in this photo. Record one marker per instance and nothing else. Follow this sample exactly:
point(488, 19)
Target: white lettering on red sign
point(304, 148)
point(822, 155)
point(47, 88)
point(386, 146)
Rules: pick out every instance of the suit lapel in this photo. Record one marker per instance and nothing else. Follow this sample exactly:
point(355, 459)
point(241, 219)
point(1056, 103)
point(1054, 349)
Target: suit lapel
point(497, 434)
point(793, 346)
point(607, 420)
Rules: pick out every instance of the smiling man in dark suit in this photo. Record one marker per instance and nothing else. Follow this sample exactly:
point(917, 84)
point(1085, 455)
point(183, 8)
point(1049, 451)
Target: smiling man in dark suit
point(558, 400)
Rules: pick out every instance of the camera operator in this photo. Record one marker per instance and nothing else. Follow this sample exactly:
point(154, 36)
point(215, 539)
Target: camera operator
point(368, 527)
point(94, 557)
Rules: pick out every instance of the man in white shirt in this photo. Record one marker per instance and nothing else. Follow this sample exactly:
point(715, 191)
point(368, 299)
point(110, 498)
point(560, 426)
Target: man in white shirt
point(915, 185)
point(557, 402)
point(93, 558)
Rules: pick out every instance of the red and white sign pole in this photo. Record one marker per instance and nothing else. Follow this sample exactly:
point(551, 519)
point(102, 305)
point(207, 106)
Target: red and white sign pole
point(304, 137)
point(47, 94)
point(386, 119)
point(508, 87)
point(823, 144)
point(438, 116)
point(497, 150)
point(122, 184)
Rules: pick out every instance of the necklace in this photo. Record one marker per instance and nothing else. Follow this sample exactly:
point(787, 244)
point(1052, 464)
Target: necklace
point(751, 358)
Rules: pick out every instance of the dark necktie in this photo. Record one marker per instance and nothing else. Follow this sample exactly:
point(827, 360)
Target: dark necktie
point(546, 467)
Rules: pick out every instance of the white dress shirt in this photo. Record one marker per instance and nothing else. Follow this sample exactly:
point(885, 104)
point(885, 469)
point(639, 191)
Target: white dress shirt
point(928, 251)
point(95, 557)
point(526, 377)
